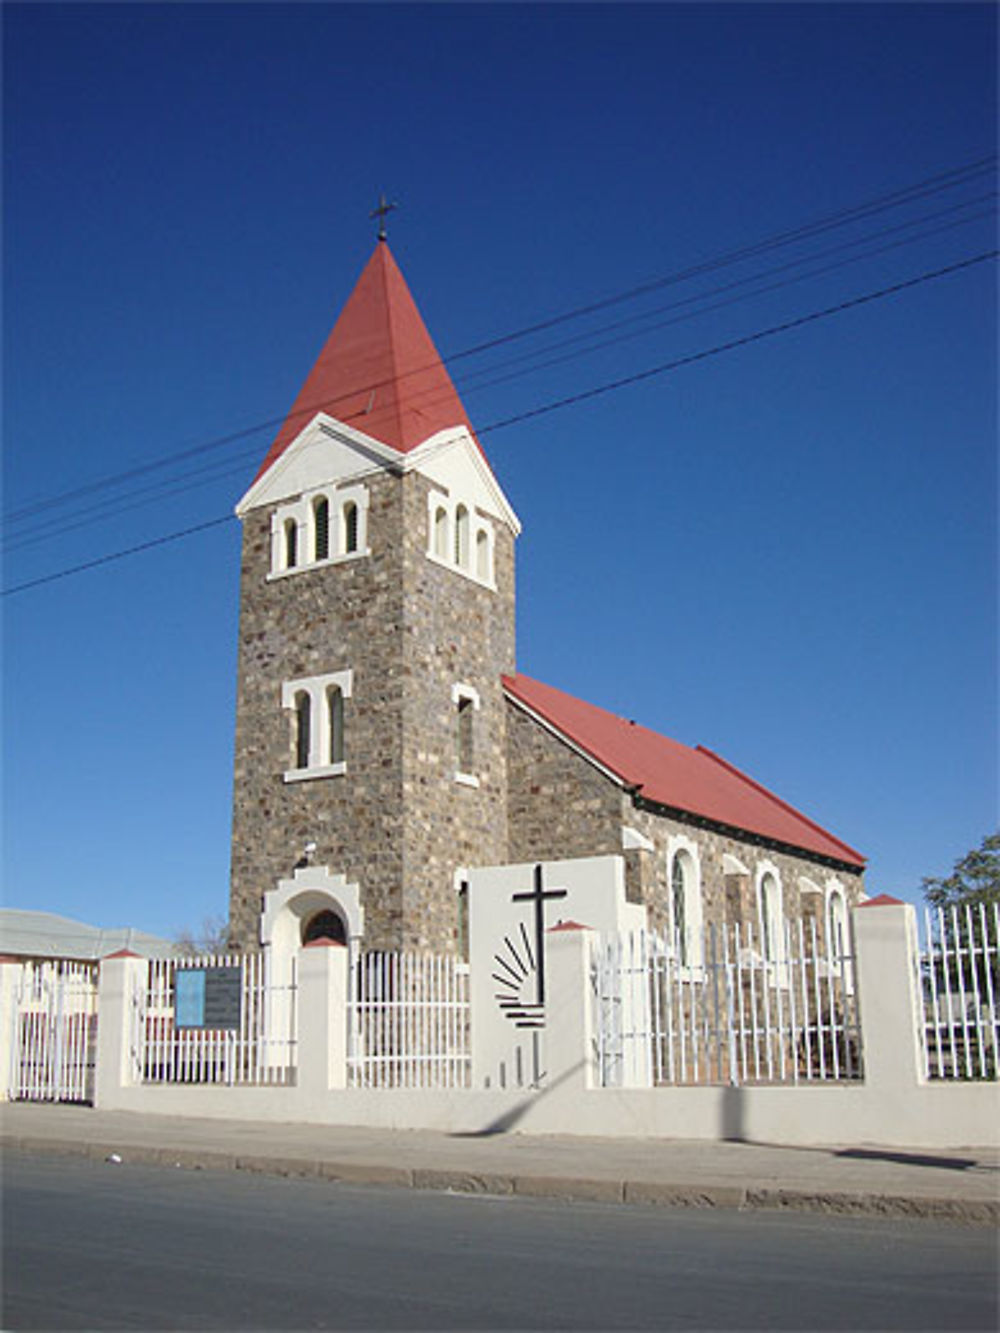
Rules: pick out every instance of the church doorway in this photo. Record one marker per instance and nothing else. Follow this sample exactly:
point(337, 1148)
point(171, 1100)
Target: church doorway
point(324, 925)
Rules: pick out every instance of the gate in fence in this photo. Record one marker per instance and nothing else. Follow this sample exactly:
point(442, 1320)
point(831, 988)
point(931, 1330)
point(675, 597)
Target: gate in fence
point(731, 1008)
point(54, 1032)
point(960, 973)
point(408, 1022)
point(216, 1019)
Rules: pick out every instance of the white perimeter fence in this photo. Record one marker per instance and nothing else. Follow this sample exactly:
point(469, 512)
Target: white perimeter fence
point(731, 1009)
point(408, 1022)
point(53, 1034)
point(260, 1049)
point(960, 971)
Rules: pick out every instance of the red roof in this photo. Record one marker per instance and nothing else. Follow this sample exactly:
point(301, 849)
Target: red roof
point(379, 370)
point(671, 774)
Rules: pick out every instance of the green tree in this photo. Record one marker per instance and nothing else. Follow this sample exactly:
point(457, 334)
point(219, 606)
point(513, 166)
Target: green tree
point(975, 879)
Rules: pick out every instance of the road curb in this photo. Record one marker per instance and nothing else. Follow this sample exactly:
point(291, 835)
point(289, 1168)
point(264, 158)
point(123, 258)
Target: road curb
point(644, 1193)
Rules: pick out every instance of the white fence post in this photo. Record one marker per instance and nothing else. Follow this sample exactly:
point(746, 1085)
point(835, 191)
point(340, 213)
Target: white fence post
point(889, 995)
point(322, 1016)
point(10, 975)
point(570, 1031)
point(120, 974)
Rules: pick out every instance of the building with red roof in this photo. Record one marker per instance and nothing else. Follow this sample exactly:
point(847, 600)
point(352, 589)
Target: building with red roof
point(385, 741)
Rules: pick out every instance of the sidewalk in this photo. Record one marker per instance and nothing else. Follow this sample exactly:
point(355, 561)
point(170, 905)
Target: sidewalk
point(963, 1185)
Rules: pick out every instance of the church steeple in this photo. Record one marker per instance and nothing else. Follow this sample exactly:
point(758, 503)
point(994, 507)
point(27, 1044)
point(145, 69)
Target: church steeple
point(379, 370)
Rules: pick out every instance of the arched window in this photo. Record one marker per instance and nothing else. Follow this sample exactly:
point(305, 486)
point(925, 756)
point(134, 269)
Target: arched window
point(465, 758)
point(325, 925)
point(303, 713)
point(321, 527)
point(770, 917)
point(291, 543)
point(350, 527)
point(837, 926)
point(678, 902)
point(462, 536)
point(482, 554)
point(441, 532)
point(335, 714)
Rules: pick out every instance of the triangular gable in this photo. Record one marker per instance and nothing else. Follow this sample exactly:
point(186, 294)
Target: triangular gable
point(328, 451)
point(673, 775)
point(324, 451)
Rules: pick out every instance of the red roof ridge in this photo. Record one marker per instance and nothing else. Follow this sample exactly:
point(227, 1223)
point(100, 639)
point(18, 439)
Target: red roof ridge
point(784, 805)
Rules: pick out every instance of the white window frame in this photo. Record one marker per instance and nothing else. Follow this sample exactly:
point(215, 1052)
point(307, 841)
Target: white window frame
point(468, 693)
point(774, 924)
point(318, 690)
point(835, 892)
point(694, 931)
point(479, 527)
point(302, 512)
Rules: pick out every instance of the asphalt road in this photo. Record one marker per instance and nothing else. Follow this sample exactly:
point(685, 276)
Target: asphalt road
point(99, 1246)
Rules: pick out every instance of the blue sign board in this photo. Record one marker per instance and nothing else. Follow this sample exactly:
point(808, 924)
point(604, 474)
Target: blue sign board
point(208, 997)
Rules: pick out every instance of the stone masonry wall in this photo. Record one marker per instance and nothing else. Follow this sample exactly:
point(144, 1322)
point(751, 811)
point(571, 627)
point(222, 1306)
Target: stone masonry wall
point(335, 617)
point(456, 632)
point(558, 805)
point(396, 822)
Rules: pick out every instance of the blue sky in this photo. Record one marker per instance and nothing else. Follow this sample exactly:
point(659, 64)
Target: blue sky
point(786, 551)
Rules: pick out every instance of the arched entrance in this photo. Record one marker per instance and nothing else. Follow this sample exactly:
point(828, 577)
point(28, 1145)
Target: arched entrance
point(324, 925)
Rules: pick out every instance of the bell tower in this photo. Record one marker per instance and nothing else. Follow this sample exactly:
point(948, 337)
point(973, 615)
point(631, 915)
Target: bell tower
point(376, 622)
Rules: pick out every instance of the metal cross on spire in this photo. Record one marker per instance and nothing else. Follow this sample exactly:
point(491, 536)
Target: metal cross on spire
point(380, 212)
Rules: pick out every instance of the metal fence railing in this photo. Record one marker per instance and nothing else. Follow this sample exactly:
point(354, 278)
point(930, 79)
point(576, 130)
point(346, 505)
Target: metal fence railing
point(244, 1031)
point(748, 1011)
point(408, 1022)
point(960, 973)
point(54, 1032)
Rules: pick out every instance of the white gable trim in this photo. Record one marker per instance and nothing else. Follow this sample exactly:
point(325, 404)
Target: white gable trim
point(458, 438)
point(370, 455)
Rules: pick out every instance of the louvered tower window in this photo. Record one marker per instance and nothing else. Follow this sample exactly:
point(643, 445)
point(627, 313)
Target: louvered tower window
point(321, 527)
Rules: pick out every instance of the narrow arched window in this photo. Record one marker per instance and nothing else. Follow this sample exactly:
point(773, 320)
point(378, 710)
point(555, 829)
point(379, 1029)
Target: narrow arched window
point(303, 709)
point(465, 759)
point(321, 527)
point(482, 554)
point(335, 714)
point(461, 536)
point(678, 899)
point(441, 532)
point(291, 543)
point(838, 926)
point(769, 917)
point(350, 527)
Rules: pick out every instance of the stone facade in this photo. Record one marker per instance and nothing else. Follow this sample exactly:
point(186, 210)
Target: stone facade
point(396, 822)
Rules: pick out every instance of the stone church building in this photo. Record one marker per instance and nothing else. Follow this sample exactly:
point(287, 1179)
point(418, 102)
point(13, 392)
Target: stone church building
point(386, 742)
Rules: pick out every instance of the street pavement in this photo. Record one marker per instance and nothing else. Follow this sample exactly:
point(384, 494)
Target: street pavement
point(962, 1184)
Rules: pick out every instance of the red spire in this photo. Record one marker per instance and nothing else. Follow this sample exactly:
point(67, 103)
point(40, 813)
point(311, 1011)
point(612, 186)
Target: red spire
point(379, 370)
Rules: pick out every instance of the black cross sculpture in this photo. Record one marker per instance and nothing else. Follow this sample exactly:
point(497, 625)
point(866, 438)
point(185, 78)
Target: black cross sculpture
point(538, 896)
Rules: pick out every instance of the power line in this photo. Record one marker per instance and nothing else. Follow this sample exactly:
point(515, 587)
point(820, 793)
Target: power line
point(207, 473)
point(931, 185)
point(109, 507)
point(609, 387)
